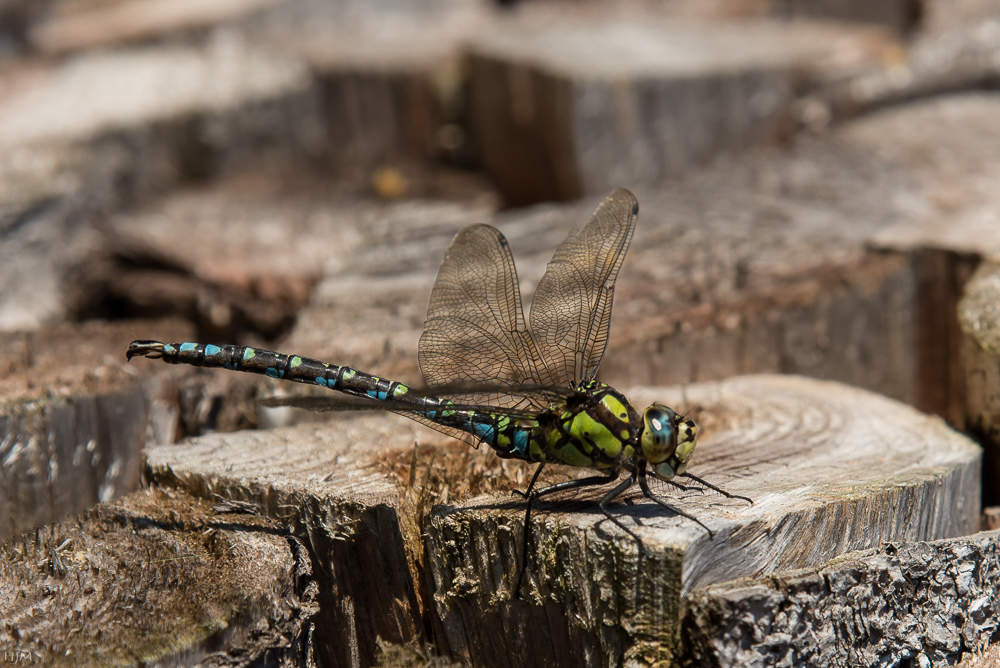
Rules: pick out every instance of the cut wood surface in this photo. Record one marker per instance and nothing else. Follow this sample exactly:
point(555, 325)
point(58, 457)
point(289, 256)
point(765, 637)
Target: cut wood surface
point(120, 22)
point(158, 578)
point(73, 418)
point(979, 315)
point(93, 94)
point(102, 131)
point(579, 107)
point(830, 468)
point(802, 261)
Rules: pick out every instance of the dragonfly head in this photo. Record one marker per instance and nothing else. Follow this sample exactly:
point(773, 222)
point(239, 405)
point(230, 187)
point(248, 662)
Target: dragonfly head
point(668, 440)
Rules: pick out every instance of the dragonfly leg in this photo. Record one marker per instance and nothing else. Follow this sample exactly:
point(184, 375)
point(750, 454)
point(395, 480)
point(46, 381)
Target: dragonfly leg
point(531, 485)
point(527, 527)
point(681, 487)
point(649, 495)
point(602, 504)
point(717, 489)
point(551, 489)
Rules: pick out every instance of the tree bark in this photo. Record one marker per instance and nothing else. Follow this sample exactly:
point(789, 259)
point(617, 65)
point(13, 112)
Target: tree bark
point(159, 577)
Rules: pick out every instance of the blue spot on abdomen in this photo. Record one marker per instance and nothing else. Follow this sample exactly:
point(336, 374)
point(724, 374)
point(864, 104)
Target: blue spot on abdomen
point(483, 431)
point(520, 442)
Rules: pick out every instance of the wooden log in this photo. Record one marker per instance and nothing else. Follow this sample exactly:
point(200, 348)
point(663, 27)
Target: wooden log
point(903, 16)
point(248, 95)
point(125, 21)
point(979, 315)
point(580, 107)
point(74, 419)
point(957, 52)
point(88, 136)
point(830, 468)
point(391, 81)
point(158, 577)
point(804, 261)
point(929, 603)
point(335, 485)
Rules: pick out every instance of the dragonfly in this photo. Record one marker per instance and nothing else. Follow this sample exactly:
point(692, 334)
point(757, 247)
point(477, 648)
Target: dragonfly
point(527, 388)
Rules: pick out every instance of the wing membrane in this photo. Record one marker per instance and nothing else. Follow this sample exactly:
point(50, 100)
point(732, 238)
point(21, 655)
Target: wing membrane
point(323, 404)
point(475, 329)
point(571, 309)
point(338, 404)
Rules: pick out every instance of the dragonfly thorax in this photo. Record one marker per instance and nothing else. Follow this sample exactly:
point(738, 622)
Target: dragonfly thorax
point(596, 428)
point(667, 440)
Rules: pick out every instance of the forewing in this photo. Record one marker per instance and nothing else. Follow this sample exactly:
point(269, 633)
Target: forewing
point(475, 329)
point(323, 404)
point(571, 309)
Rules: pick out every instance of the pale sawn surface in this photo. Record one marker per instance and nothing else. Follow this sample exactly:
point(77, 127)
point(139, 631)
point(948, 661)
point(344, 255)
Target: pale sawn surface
point(831, 469)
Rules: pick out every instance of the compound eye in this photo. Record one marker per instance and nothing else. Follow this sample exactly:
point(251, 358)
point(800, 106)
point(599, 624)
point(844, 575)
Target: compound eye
point(659, 434)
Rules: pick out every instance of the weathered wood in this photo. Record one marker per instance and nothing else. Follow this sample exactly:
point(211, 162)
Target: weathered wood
point(70, 28)
point(958, 52)
point(259, 251)
point(830, 468)
point(580, 107)
point(929, 603)
point(73, 420)
point(159, 578)
point(811, 456)
point(830, 259)
point(391, 78)
point(100, 132)
point(985, 659)
point(902, 16)
point(225, 81)
point(979, 315)
point(326, 482)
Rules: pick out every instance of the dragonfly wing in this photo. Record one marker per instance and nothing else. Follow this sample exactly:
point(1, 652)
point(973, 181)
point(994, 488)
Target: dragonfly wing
point(571, 309)
point(475, 329)
point(336, 404)
point(407, 409)
point(325, 404)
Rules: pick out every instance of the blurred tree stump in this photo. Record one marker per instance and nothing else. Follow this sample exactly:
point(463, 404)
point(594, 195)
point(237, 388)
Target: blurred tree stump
point(979, 317)
point(584, 104)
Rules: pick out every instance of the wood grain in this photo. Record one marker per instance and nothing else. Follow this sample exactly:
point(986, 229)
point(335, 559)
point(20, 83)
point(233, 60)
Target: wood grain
point(158, 577)
point(979, 317)
point(74, 419)
point(831, 469)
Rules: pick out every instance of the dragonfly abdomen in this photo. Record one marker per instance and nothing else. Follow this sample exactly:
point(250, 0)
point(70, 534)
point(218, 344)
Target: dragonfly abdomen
point(274, 365)
point(508, 437)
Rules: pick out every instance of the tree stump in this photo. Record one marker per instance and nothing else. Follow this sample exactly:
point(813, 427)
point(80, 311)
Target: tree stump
point(582, 106)
point(162, 578)
point(979, 316)
point(74, 420)
point(930, 603)
point(830, 468)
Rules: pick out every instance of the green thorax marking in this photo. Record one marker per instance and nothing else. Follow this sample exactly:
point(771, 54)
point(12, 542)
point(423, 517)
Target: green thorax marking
point(596, 429)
